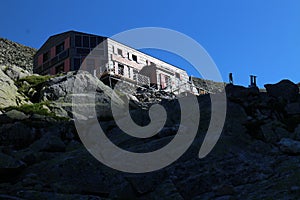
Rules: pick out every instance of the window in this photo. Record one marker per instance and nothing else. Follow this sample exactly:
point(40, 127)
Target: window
point(134, 57)
point(59, 69)
point(120, 52)
point(78, 41)
point(167, 80)
point(77, 63)
point(135, 74)
point(46, 56)
point(60, 48)
point(177, 75)
point(85, 41)
point(83, 51)
point(93, 42)
point(129, 73)
point(120, 69)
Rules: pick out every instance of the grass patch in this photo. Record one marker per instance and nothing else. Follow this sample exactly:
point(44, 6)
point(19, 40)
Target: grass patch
point(36, 108)
point(35, 80)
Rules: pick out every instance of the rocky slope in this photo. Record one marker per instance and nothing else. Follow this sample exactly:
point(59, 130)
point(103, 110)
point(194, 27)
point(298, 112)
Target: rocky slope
point(255, 158)
point(208, 85)
point(12, 53)
point(42, 157)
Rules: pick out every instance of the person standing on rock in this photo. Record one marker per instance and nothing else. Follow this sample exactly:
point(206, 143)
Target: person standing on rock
point(230, 78)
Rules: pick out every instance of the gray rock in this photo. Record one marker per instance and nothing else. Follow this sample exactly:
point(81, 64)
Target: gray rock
point(9, 167)
point(58, 110)
point(16, 73)
point(9, 95)
point(16, 115)
point(89, 92)
point(49, 143)
point(289, 146)
point(235, 119)
point(274, 131)
point(17, 134)
point(293, 108)
point(284, 89)
point(75, 172)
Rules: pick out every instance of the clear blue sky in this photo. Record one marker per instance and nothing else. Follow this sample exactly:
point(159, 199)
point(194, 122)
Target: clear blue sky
point(260, 37)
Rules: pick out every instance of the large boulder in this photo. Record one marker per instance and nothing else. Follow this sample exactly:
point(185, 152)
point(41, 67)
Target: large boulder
point(16, 73)
point(16, 115)
point(9, 95)
point(80, 86)
point(82, 82)
point(284, 89)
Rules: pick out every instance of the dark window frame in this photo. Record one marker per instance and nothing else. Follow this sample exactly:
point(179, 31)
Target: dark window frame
point(120, 69)
point(60, 68)
point(76, 63)
point(46, 56)
point(78, 41)
point(60, 48)
point(119, 52)
point(86, 41)
point(134, 57)
point(93, 41)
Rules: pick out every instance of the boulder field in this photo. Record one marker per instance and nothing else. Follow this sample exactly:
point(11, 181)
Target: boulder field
point(42, 157)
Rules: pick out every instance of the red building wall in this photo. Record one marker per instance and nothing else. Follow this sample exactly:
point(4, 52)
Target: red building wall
point(67, 43)
point(53, 52)
point(40, 60)
point(67, 65)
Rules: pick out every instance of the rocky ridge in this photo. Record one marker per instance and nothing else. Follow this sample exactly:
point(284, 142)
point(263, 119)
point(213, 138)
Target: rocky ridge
point(12, 53)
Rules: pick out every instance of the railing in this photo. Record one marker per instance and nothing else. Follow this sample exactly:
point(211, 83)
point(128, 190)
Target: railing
point(51, 62)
